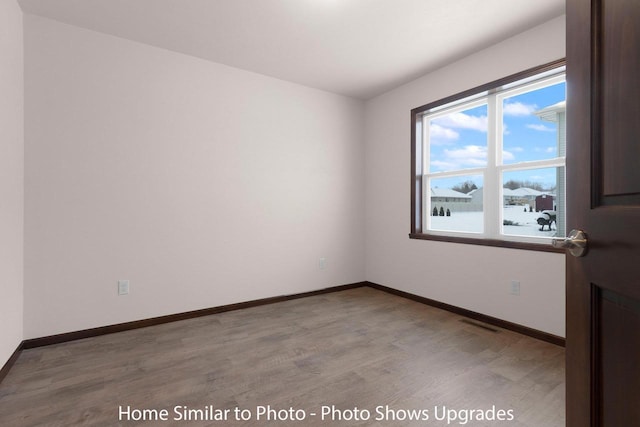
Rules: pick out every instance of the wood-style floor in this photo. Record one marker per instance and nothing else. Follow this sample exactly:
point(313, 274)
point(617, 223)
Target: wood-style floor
point(360, 348)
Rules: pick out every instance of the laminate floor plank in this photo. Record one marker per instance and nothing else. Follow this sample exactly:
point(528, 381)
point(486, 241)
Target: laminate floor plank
point(360, 348)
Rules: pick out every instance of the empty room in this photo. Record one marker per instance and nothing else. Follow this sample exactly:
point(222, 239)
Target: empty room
point(319, 213)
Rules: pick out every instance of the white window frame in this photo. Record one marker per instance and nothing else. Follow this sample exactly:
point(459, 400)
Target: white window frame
point(495, 169)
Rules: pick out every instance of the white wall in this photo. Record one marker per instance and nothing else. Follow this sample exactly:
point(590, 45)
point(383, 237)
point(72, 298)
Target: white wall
point(11, 178)
point(202, 184)
point(473, 277)
point(206, 185)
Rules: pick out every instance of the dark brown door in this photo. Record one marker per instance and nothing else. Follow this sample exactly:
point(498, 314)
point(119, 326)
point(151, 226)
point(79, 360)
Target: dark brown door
point(603, 192)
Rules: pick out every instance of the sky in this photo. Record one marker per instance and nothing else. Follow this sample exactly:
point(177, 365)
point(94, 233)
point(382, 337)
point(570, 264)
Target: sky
point(459, 140)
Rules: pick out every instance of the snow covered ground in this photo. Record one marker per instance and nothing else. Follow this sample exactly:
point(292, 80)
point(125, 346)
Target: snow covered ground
point(472, 221)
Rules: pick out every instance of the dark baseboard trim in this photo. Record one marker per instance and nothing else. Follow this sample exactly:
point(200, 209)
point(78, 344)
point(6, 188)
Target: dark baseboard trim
point(524, 330)
point(7, 366)
point(120, 327)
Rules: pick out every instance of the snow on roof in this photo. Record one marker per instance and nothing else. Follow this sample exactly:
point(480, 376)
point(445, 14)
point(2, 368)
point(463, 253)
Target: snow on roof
point(506, 192)
point(447, 192)
point(524, 191)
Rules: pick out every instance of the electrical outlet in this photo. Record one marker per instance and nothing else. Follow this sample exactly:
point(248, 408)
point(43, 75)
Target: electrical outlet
point(515, 288)
point(322, 264)
point(123, 287)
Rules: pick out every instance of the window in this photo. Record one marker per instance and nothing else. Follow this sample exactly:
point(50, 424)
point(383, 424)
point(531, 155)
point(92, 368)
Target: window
point(488, 165)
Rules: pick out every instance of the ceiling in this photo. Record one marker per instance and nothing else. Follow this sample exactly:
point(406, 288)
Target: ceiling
point(358, 48)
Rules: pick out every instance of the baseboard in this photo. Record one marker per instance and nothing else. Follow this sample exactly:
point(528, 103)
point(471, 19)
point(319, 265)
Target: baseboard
point(110, 329)
point(524, 330)
point(7, 366)
point(104, 330)
point(120, 327)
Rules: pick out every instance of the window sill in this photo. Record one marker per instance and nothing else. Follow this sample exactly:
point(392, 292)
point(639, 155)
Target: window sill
point(540, 247)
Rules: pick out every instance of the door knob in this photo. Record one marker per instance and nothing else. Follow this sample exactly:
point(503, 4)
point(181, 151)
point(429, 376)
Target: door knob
point(576, 242)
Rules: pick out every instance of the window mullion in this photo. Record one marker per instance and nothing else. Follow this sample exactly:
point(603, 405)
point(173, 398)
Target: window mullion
point(491, 178)
point(459, 172)
point(536, 164)
point(426, 169)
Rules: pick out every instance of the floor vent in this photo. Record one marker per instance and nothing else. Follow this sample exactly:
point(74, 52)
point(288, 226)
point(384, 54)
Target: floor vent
point(479, 325)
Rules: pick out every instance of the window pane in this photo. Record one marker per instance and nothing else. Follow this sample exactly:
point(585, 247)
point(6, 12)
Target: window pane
point(455, 204)
point(458, 140)
point(533, 202)
point(533, 125)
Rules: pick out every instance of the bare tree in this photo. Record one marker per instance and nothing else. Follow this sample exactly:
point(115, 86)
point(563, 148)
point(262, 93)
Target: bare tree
point(465, 187)
point(513, 184)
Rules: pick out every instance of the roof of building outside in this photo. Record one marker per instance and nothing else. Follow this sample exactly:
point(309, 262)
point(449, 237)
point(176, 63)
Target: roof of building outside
point(524, 191)
point(447, 192)
point(550, 113)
